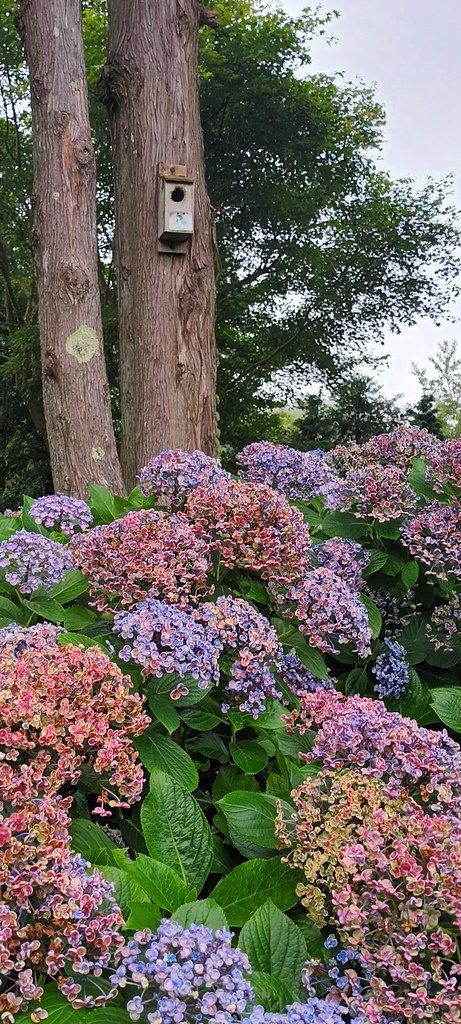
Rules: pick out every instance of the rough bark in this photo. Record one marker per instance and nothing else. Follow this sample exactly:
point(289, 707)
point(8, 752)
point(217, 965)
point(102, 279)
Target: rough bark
point(166, 302)
point(75, 389)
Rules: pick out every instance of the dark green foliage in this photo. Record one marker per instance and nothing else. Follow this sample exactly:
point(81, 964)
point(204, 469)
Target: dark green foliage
point(425, 414)
point(320, 251)
point(356, 411)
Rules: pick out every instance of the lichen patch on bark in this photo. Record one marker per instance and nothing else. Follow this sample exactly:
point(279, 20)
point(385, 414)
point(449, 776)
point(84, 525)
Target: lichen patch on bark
point(82, 344)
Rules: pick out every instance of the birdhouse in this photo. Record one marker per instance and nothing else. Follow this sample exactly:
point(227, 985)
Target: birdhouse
point(176, 208)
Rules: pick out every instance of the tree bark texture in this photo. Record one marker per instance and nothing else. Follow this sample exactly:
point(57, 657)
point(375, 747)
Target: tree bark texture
point(166, 302)
point(75, 388)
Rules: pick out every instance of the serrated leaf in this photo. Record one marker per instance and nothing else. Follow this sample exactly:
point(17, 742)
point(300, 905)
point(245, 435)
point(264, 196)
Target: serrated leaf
point(12, 612)
point(249, 885)
point(297, 743)
point(161, 883)
point(223, 858)
point(309, 656)
point(377, 559)
point(205, 912)
point(374, 615)
point(271, 993)
point(47, 608)
point(410, 574)
point(176, 830)
point(101, 503)
point(253, 816)
point(204, 717)
point(159, 752)
point(231, 778)
point(77, 617)
point(343, 524)
point(249, 755)
point(413, 638)
point(73, 585)
point(143, 915)
point(127, 890)
point(274, 945)
point(92, 842)
point(446, 701)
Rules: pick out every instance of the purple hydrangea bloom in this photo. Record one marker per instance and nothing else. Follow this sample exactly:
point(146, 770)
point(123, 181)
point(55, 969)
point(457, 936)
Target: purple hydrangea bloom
point(30, 560)
point(183, 974)
point(345, 558)
point(39, 636)
point(392, 671)
point(236, 626)
point(60, 512)
point(174, 474)
point(298, 678)
point(313, 1011)
point(164, 640)
point(296, 474)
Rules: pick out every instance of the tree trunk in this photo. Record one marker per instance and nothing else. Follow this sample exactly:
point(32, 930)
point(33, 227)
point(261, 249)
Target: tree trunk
point(166, 302)
point(75, 389)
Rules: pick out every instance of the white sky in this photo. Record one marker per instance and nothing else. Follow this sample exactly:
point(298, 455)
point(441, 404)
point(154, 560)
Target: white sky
point(411, 50)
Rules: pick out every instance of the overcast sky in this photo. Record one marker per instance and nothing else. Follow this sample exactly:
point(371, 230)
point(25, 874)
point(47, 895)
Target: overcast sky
point(411, 50)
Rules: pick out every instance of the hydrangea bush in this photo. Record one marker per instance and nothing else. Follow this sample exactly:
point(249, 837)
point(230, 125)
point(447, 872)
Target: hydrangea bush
point(230, 783)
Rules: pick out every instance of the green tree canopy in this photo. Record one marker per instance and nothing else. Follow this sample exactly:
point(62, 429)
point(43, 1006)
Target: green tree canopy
point(356, 411)
point(320, 251)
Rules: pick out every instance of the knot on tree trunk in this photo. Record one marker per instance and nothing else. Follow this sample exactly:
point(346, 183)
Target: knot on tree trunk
point(118, 80)
point(76, 282)
point(208, 17)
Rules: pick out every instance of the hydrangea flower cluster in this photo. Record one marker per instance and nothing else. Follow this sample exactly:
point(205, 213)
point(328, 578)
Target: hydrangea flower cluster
point(60, 706)
point(313, 1011)
point(174, 474)
point(328, 612)
point(399, 447)
point(434, 538)
point(386, 874)
point(358, 732)
point(54, 917)
point(345, 558)
point(144, 554)
point(392, 671)
point(236, 626)
point(445, 625)
point(183, 974)
point(379, 492)
point(60, 512)
point(445, 465)
point(294, 473)
point(298, 678)
point(40, 636)
point(250, 526)
point(166, 640)
point(30, 560)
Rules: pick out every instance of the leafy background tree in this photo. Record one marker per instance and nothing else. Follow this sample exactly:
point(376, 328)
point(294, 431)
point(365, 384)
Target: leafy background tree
point(321, 252)
point(425, 414)
point(356, 411)
point(444, 383)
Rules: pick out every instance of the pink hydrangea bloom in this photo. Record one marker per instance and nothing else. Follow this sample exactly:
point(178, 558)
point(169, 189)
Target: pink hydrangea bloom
point(61, 706)
point(144, 554)
point(250, 526)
